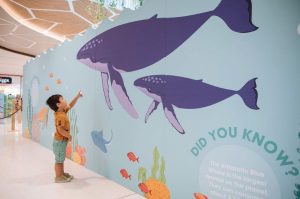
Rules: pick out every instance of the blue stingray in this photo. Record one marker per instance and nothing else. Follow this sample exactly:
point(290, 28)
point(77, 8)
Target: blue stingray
point(99, 140)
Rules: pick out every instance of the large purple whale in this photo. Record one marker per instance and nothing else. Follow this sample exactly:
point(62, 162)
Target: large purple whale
point(189, 94)
point(136, 45)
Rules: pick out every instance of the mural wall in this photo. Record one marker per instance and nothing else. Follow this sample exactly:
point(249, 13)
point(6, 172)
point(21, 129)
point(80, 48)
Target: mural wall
point(182, 99)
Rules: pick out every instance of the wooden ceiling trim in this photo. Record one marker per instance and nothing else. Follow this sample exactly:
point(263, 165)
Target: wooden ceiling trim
point(38, 4)
point(81, 7)
point(18, 41)
point(6, 29)
point(16, 10)
point(43, 24)
point(68, 29)
point(17, 52)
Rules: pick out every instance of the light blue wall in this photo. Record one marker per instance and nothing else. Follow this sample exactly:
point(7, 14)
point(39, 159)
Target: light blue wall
point(220, 57)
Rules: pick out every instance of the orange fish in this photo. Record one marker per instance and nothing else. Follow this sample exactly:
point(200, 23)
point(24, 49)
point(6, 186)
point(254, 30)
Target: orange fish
point(46, 88)
point(132, 157)
point(58, 81)
point(200, 196)
point(125, 174)
point(143, 187)
point(51, 75)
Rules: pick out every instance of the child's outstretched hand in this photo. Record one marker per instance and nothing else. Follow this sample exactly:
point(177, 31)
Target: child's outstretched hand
point(80, 94)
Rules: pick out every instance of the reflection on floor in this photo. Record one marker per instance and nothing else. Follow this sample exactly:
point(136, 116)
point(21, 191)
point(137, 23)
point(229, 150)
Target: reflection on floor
point(26, 172)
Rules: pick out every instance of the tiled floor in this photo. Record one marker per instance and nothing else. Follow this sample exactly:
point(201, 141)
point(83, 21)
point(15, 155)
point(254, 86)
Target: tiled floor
point(26, 172)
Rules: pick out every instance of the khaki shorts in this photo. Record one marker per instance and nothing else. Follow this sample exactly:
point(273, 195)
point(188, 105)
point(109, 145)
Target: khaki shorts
point(59, 149)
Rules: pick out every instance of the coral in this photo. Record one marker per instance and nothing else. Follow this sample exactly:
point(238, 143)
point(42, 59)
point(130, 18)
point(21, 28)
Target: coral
point(35, 133)
point(26, 133)
point(74, 151)
point(156, 186)
point(158, 190)
point(69, 150)
point(43, 117)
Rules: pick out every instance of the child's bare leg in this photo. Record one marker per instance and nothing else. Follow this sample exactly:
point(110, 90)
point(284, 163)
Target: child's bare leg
point(58, 169)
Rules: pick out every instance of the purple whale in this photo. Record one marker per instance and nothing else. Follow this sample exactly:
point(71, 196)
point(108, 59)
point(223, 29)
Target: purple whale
point(139, 44)
point(189, 94)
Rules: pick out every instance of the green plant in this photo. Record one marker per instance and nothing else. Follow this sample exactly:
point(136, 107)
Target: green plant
point(73, 128)
point(29, 113)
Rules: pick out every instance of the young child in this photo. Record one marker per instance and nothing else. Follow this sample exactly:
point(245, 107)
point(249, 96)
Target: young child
point(62, 133)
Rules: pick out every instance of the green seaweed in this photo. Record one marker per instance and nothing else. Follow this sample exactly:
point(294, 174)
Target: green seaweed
point(162, 176)
point(29, 113)
point(142, 175)
point(73, 128)
point(155, 166)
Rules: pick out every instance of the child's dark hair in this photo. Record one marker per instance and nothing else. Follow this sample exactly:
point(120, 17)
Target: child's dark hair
point(52, 101)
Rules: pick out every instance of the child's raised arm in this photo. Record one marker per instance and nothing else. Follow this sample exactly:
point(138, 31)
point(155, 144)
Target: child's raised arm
point(73, 102)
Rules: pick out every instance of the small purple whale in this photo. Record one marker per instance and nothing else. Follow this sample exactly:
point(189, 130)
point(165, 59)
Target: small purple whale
point(189, 94)
point(139, 44)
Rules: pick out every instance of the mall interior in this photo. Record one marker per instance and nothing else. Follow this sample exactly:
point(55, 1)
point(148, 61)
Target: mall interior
point(155, 99)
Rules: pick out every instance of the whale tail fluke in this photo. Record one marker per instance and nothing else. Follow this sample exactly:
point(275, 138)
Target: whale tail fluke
point(236, 14)
point(249, 94)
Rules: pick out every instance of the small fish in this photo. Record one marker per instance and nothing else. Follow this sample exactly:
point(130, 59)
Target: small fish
point(200, 196)
point(143, 187)
point(58, 81)
point(132, 157)
point(51, 75)
point(46, 88)
point(125, 174)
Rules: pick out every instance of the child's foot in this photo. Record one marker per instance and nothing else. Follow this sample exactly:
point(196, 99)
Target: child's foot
point(69, 176)
point(61, 179)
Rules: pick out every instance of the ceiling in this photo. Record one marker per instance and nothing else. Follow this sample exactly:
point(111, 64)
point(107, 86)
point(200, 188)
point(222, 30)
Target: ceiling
point(29, 27)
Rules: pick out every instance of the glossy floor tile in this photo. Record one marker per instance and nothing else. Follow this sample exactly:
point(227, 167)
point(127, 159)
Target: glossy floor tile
point(26, 172)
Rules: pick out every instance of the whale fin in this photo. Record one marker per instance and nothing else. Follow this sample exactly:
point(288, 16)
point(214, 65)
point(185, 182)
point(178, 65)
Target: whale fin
point(249, 94)
point(104, 77)
point(170, 114)
point(151, 108)
point(154, 16)
point(237, 14)
point(120, 91)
